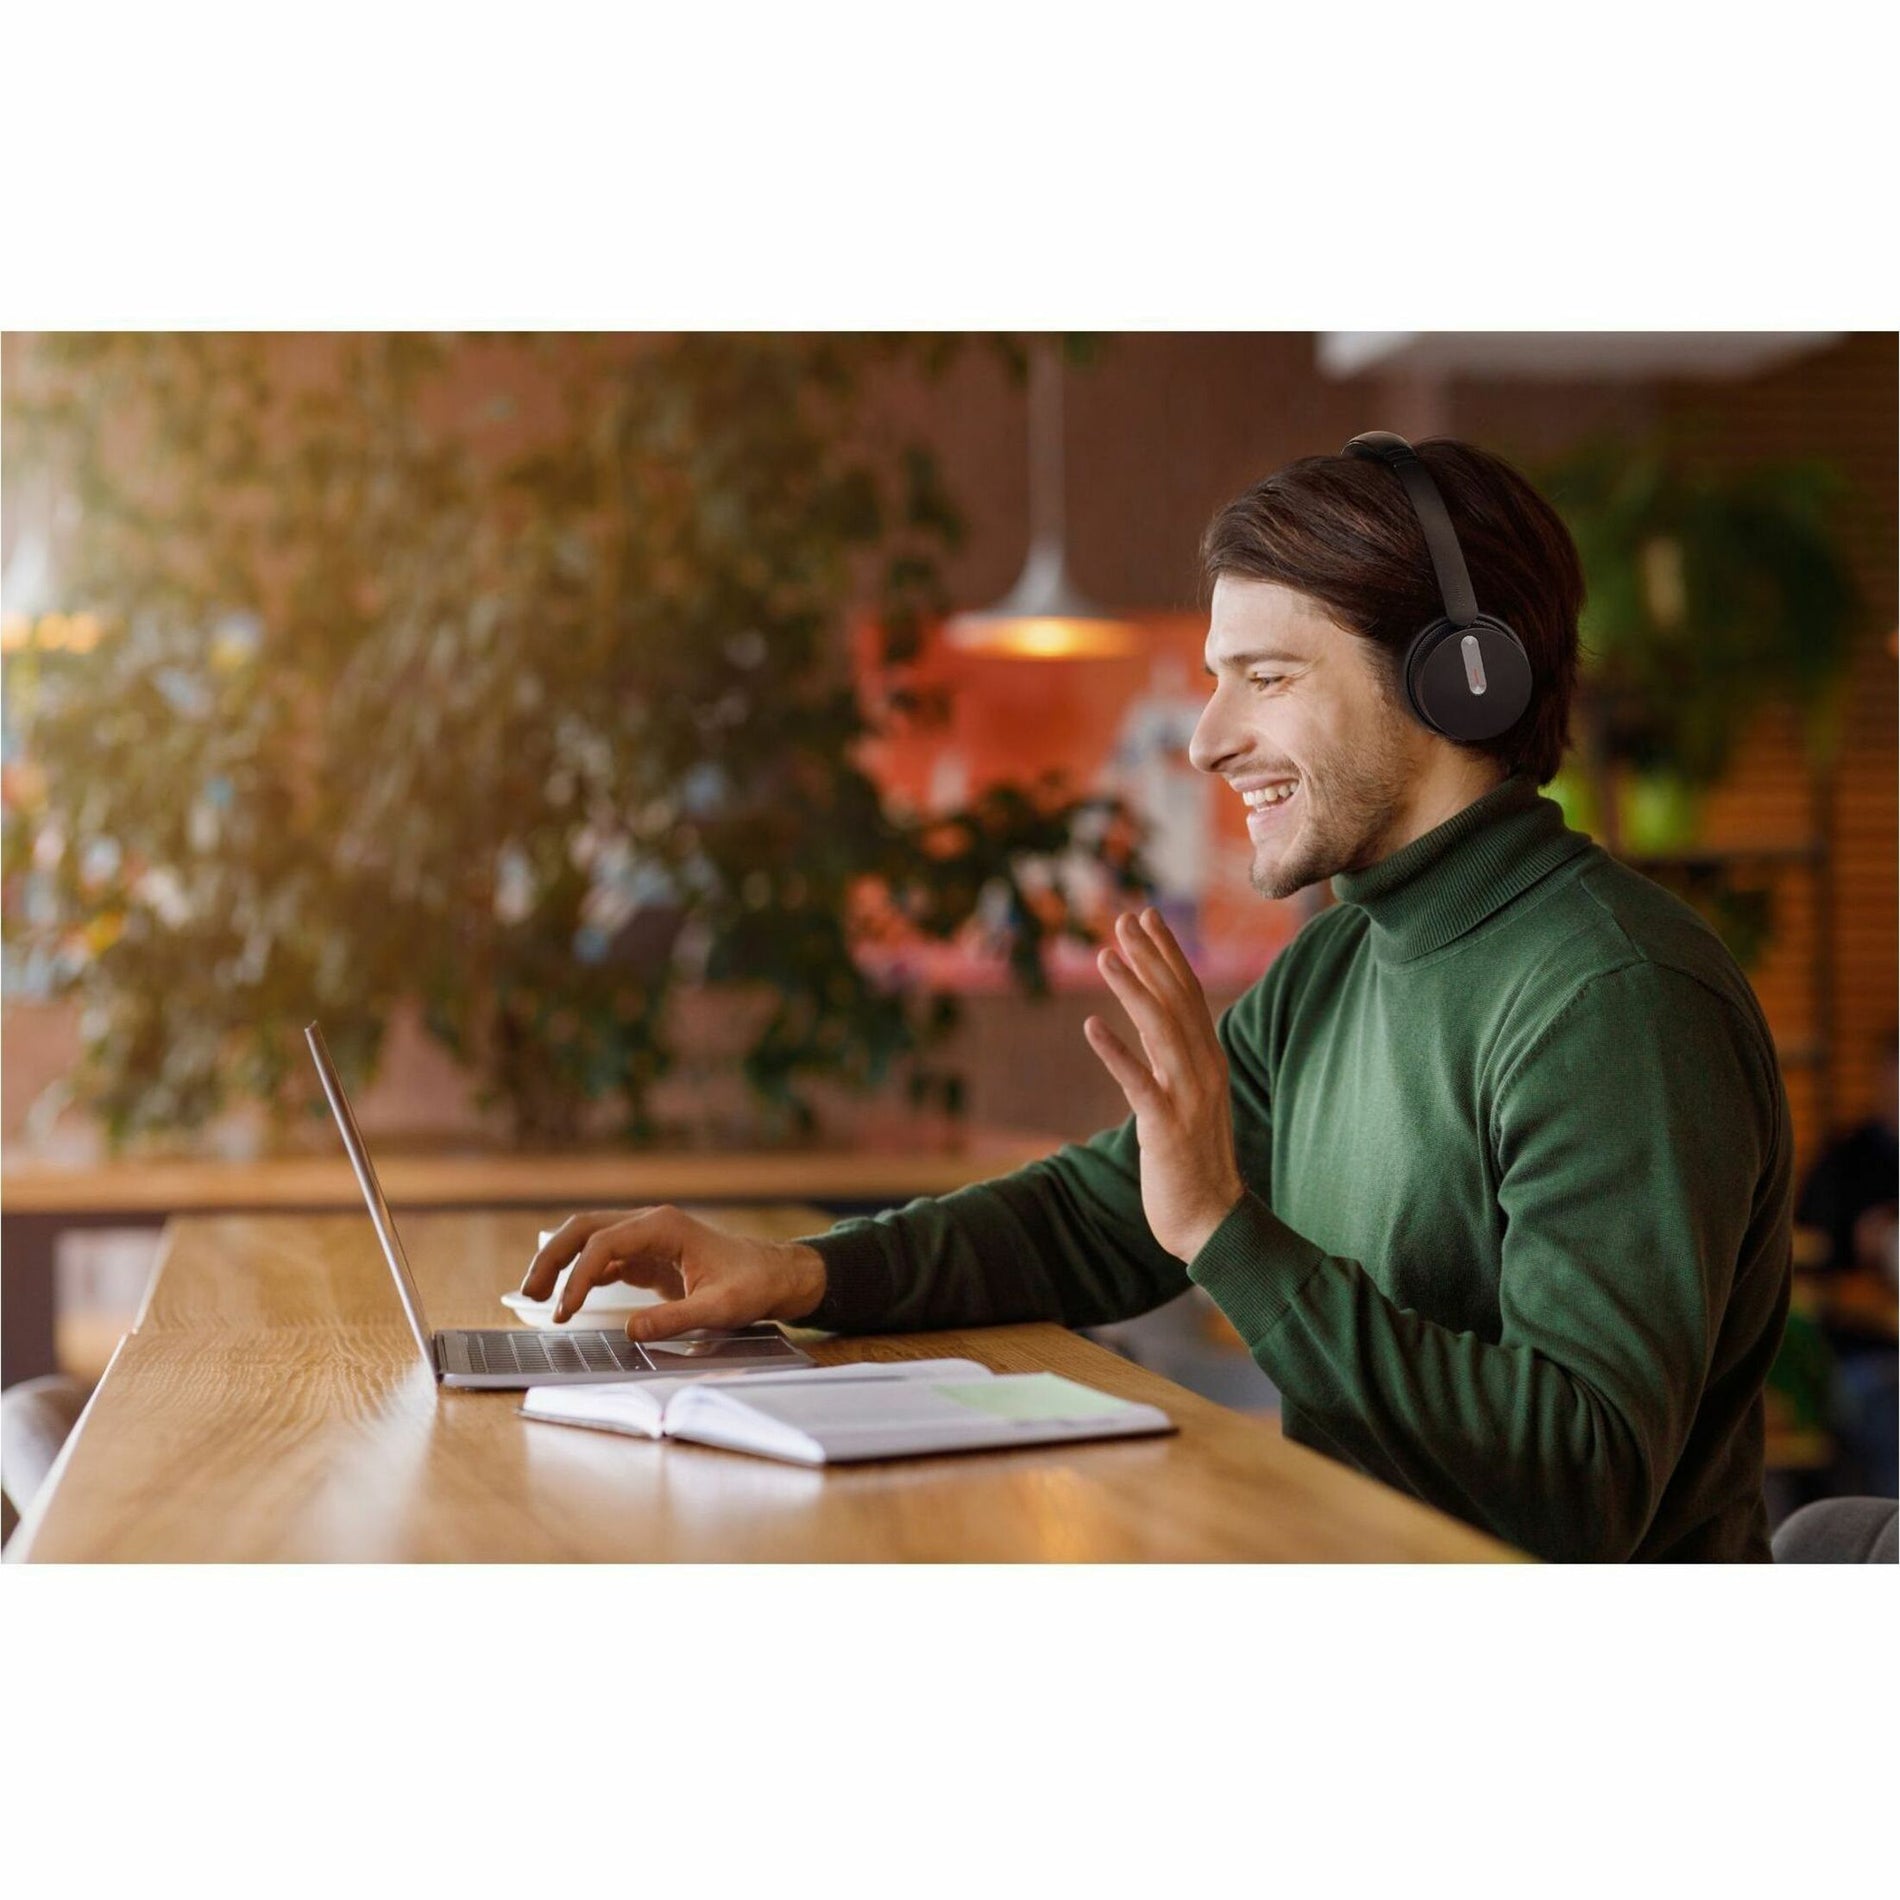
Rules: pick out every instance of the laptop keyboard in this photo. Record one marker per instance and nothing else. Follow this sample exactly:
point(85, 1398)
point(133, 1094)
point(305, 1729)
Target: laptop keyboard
point(541, 1353)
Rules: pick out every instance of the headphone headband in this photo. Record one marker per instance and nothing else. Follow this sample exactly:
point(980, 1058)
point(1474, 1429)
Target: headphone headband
point(1441, 540)
point(1466, 676)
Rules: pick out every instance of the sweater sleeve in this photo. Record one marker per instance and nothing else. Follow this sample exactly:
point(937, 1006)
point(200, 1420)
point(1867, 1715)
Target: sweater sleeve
point(1633, 1143)
point(1063, 1239)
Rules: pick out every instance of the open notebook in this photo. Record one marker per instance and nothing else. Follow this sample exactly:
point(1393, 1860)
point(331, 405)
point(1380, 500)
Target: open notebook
point(835, 1414)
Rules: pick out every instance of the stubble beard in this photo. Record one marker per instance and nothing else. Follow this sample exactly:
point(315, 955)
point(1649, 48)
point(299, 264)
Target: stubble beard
point(1352, 806)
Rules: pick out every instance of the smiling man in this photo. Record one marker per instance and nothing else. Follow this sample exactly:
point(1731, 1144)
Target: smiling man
point(1491, 1170)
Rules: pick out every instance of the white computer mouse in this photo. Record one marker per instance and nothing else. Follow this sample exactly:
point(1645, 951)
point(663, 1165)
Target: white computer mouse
point(606, 1305)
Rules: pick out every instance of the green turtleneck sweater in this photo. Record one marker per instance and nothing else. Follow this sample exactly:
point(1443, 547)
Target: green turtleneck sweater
point(1516, 1234)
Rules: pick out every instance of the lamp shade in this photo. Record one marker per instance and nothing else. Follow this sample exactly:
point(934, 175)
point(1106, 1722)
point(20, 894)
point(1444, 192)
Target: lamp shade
point(1045, 616)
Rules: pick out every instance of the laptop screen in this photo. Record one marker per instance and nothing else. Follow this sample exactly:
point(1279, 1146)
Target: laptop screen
point(372, 1192)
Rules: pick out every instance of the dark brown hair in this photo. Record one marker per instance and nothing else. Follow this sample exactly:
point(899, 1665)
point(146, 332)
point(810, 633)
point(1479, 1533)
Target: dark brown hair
point(1342, 531)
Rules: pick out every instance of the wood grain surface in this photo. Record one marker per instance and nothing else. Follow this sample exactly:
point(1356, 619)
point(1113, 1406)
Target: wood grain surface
point(494, 1180)
point(271, 1406)
point(258, 1270)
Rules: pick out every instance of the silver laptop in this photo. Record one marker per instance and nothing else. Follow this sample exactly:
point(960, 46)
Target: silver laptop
point(512, 1358)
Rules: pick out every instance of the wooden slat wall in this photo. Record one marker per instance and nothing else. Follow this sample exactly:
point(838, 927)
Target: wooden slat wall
point(1840, 404)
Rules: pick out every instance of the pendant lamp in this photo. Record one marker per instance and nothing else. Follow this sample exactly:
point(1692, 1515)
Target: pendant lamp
point(1045, 616)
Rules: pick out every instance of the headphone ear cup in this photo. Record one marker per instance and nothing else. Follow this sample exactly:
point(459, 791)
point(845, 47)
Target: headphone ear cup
point(1469, 683)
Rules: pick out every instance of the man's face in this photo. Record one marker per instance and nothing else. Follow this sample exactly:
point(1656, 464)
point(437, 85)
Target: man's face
point(1302, 724)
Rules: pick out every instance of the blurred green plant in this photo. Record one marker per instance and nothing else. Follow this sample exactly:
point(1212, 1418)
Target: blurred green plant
point(510, 675)
point(1715, 592)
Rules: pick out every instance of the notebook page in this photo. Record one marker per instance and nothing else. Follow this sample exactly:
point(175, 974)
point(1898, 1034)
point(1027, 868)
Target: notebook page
point(636, 1409)
point(836, 1421)
point(857, 1373)
point(638, 1406)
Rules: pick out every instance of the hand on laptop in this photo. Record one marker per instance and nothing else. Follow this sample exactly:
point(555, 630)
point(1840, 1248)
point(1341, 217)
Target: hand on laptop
point(709, 1277)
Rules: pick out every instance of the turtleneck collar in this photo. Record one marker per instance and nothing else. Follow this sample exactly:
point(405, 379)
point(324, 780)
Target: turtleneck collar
point(1449, 881)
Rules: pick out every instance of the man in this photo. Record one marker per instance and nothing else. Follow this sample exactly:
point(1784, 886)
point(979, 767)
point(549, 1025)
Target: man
point(1852, 1198)
point(1852, 1193)
point(1491, 1170)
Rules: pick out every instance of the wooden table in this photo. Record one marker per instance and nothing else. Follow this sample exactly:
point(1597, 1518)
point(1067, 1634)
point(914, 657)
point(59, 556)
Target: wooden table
point(1852, 1299)
point(1856, 1298)
point(270, 1405)
point(40, 1200)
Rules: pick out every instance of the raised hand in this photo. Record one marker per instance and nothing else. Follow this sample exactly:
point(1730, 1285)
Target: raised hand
point(1177, 1088)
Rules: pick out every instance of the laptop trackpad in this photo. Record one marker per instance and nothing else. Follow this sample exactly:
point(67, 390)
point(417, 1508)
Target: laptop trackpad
point(747, 1348)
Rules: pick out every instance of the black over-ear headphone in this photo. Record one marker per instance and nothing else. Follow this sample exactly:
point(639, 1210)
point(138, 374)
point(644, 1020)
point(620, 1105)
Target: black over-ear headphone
point(1465, 674)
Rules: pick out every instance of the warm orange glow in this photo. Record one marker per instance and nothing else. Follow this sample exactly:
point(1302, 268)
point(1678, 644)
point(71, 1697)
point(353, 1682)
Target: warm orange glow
point(1043, 638)
point(52, 633)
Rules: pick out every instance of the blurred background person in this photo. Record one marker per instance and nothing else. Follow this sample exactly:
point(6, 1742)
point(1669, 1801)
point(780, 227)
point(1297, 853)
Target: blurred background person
point(1850, 1205)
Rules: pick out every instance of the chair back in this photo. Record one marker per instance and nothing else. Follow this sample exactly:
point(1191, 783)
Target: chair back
point(1840, 1531)
point(35, 1418)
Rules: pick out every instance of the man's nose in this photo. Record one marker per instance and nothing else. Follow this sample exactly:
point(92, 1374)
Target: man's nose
point(1213, 741)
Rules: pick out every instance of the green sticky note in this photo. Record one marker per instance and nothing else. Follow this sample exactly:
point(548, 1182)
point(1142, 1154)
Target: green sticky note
point(1032, 1395)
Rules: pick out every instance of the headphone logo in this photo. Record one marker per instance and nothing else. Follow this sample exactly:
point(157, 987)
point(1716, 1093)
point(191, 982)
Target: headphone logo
point(1474, 664)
